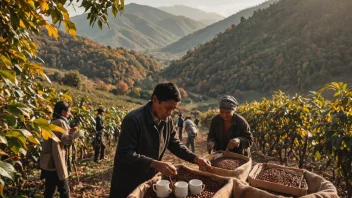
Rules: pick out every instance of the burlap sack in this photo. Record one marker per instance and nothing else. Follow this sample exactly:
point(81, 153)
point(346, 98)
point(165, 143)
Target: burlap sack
point(318, 187)
point(224, 192)
point(240, 173)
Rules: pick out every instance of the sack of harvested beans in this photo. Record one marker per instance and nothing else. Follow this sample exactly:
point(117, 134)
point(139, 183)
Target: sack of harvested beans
point(313, 185)
point(214, 186)
point(228, 164)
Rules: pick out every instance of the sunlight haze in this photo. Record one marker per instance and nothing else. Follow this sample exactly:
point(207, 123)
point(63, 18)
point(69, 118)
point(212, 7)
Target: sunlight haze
point(223, 7)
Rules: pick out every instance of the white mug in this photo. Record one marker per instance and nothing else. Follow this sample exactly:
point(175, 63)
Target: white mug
point(162, 188)
point(181, 189)
point(196, 186)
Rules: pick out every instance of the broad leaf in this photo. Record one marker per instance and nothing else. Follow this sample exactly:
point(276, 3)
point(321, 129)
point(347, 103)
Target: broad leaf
point(33, 140)
point(9, 77)
point(25, 132)
point(7, 170)
point(41, 122)
point(56, 128)
point(14, 145)
point(9, 119)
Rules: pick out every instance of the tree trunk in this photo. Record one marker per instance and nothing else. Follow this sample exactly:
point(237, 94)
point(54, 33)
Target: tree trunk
point(303, 153)
point(349, 188)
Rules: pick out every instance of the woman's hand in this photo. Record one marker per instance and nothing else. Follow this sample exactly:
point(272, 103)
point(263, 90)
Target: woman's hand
point(234, 143)
point(210, 146)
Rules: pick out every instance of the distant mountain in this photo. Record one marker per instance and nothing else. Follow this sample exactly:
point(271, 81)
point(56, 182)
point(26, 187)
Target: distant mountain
point(95, 60)
point(193, 13)
point(202, 36)
point(139, 27)
point(294, 46)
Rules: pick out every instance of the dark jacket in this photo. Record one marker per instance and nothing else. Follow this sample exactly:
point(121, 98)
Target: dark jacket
point(99, 130)
point(239, 129)
point(138, 145)
point(99, 123)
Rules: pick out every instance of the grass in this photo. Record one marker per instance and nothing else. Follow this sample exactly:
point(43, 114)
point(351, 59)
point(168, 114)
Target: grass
point(97, 97)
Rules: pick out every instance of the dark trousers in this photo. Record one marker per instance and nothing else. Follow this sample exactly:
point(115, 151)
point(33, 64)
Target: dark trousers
point(190, 141)
point(99, 149)
point(180, 129)
point(53, 184)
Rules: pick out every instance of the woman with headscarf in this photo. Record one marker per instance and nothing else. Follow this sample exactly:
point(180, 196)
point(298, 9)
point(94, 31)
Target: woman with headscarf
point(228, 130)
point(52, 157)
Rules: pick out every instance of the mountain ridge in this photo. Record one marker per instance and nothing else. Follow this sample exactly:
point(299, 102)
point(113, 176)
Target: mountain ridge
point(207, 18)
point(139, 27)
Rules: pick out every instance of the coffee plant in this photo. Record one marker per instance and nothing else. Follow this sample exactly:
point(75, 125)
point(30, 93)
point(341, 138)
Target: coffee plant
point(313, 130)
point(26, 106)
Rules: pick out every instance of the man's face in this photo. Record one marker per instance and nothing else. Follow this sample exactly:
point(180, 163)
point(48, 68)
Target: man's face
point(226, 114)
point(164, 109)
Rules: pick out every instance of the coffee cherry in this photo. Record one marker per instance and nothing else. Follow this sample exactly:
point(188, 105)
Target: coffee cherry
point(227, 163)
point(281, 177)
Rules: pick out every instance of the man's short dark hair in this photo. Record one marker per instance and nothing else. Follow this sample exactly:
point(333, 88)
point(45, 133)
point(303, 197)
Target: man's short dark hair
point(166, 91)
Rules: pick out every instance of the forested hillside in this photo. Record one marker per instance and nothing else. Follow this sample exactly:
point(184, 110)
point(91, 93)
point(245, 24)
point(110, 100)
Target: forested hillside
point(202, 36)
point(293, 46)
point(95, 60)
point(139, 27)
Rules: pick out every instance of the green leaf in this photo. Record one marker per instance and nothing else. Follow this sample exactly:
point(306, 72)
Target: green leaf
point(14, 145)
point(9, 77)
point(100, 24)
point(6, 61)
point(114, 10)
point(15, 111)
point(14, 134)
point(335, 84)
point(337, 94)
point(41, 122)
point(7, 170)
point(25, 132)
point(70, 27)
point(33, 140)
point(9, 119)
point(56, 128)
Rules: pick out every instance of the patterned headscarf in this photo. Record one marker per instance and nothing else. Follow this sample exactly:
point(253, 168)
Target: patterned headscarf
point(228, 102)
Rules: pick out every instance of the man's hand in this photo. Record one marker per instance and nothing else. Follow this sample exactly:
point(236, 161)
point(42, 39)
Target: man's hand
point(234, 143)
point(203, 162)
point(166, 168)
point(210, 146)
point(73, 129)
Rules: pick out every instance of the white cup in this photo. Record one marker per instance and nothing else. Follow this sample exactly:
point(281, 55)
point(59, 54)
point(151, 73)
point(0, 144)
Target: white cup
point(162, 188)
point(81, 133)
point(181, 189)
point(196, 186)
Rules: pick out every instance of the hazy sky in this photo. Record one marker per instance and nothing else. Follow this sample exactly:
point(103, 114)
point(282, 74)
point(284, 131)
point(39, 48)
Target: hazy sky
point(222, 7)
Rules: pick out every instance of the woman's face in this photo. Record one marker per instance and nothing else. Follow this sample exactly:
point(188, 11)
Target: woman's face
point(67, 113)
point(226, 114)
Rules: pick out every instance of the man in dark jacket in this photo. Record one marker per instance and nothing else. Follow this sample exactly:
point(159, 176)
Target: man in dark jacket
point(145, 135)
point(99, 145)
point(180, 121)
